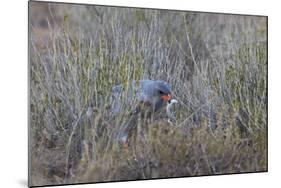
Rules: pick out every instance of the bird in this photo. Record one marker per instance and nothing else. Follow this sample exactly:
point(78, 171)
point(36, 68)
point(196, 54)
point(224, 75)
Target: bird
point(152, 95)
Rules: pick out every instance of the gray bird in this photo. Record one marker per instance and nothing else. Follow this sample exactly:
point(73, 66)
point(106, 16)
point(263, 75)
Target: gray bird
point(152, 96)
point(153, 93)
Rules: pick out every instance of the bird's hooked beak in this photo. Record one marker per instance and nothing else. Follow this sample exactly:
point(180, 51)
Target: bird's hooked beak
point(166, 97)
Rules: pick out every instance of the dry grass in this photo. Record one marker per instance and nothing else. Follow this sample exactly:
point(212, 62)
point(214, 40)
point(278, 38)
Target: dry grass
point(216, 65)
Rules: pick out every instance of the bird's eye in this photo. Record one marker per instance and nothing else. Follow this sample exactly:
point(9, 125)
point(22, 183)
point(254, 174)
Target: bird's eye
point(161, 92)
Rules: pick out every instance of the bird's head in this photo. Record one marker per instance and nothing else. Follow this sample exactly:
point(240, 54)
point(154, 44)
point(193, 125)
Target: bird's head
point(163, 91)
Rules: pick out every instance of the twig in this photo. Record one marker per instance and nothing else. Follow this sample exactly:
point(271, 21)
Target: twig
point(190, 46)
point(193, 113)
point(69, 143)
point(190, 116)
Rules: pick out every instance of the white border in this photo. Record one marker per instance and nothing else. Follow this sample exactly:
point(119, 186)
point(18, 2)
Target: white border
point(13, 95)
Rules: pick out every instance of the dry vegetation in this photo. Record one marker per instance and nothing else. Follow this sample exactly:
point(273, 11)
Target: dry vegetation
point(216, 65)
